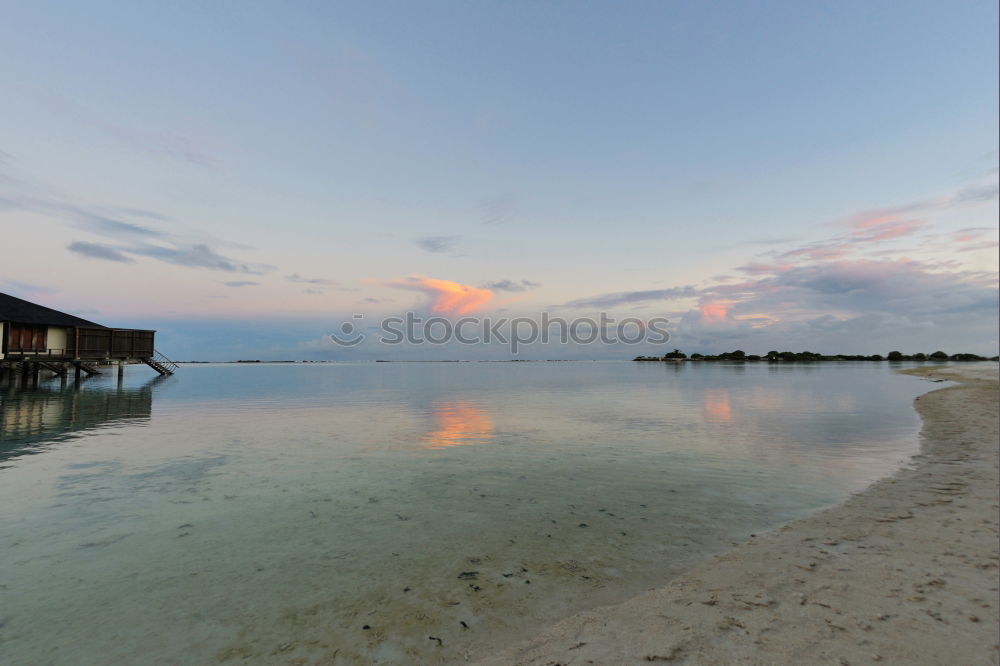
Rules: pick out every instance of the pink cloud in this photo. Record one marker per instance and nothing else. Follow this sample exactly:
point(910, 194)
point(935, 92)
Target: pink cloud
point(970, 234)
point(873, 220)
point(980, 246)
point(714, 311)
point(879, 216)
point(886, 230)
point(819, 252)
point(867, 229)
point(759, 269)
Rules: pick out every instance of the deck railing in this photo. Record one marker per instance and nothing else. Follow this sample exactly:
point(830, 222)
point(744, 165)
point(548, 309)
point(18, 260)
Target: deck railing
point(37, 353)
point(164, 361)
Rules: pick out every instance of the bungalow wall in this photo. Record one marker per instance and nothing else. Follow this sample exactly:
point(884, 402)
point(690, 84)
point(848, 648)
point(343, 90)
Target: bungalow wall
point(57, 340)
point(60, 342)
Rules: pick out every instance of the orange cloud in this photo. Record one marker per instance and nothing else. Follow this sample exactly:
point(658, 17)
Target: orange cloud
point(455, 298)
point(447, 297)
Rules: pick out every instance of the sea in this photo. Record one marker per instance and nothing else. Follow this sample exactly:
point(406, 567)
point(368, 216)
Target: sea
point(402, 513)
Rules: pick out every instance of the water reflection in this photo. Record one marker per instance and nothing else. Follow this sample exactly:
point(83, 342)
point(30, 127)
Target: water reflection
point(31, 419)
point(715, 406)
point(459, 423)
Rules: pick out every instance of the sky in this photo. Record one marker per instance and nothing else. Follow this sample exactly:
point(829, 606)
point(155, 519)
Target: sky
point(246, 177)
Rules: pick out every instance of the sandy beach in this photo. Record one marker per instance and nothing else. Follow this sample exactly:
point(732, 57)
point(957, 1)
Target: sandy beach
point(903, 572)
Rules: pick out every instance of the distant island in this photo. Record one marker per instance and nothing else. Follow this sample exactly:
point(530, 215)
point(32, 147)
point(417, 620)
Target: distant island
point(811, 357)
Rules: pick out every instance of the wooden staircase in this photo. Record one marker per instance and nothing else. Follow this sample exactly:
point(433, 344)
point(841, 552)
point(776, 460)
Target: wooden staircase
point(160, 363)
point(88, 368)
point(58, 368)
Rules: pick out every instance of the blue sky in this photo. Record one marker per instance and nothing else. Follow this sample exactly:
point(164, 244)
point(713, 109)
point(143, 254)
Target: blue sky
point(765, 174)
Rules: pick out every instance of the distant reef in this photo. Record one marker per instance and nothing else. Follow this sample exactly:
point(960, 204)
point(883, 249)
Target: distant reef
point(677, 356)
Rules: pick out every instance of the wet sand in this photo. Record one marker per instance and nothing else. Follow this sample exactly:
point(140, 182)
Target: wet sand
point(903, 572)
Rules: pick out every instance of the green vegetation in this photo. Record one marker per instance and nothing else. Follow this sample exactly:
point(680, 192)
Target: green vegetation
point(811, 357)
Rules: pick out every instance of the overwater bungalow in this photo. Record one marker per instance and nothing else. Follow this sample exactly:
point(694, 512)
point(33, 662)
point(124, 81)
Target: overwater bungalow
point(35, 338)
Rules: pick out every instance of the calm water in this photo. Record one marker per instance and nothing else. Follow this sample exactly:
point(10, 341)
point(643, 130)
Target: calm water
point(346, 513)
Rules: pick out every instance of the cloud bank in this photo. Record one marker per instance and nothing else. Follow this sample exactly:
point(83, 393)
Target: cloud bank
point(859, 289)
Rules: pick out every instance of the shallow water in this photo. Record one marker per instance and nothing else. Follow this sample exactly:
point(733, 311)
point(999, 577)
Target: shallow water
point(347, 513)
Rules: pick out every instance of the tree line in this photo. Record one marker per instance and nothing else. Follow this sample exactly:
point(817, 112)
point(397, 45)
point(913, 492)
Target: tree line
point(810, 357)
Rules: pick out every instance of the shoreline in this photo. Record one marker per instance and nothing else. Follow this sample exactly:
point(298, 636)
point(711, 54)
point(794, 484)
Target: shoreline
point(904, 571)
